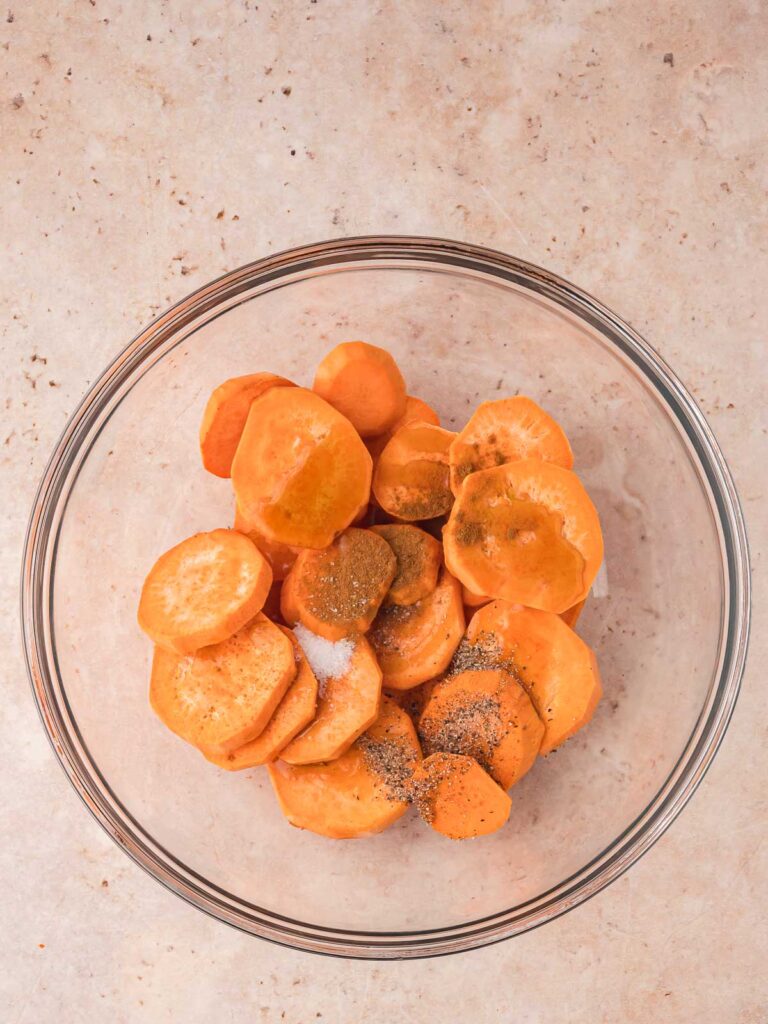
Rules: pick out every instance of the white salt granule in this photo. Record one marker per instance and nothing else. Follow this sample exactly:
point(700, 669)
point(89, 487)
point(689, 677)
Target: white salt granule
point(328, 660)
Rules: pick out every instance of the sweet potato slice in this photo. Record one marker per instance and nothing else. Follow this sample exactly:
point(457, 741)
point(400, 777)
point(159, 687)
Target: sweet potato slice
point(457, 798)
point(225, 416)
point(525, 532)
point(507, 430)
point(411, 477)
point(486, 715)
point(554, 664)
point(364, 383)
point(294, 712)
point(416, 410)
point(348, 702)
point(224, 695)
point(280, 556)
point(414, 643)
point(301, 473)
point(337, 591)
point(363, 791)
point(203, 590)
point(419, 557)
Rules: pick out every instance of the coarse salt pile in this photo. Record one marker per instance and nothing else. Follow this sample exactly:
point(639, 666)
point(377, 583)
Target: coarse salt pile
point(327, 659)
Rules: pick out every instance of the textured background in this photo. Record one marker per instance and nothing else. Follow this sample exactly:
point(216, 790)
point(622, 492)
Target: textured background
point(148, 146)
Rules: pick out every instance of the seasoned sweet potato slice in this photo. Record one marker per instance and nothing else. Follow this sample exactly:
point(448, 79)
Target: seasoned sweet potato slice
point(337, 591)
point(411, 477)
point(414, 643)
point(362, 792)
point(507, 430)
point(554, 664)
point(419, 557)
point(294, 712)
point(457, 798)
point(224, 695)
point(486, 715)
point(348, 702)
point(525, 532)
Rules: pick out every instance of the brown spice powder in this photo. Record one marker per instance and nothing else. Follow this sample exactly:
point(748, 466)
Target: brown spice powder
point(350, 576)
point(425, 492)
point(408, 547)
point(468, 532)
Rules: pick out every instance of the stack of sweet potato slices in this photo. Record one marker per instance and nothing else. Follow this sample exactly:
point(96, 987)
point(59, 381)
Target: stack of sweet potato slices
point(390, 620)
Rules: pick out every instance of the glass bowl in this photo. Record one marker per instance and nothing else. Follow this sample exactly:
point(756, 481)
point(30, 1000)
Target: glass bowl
point(668, 616)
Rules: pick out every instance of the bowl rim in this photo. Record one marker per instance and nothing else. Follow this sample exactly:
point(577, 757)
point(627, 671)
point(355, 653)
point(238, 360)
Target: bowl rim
point(38, 569)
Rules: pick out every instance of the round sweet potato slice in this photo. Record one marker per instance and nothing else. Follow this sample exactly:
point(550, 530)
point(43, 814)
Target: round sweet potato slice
point(301, 472)
point(457, 798)
point(486, 715)
point(348, 701)
point(411, 477)
point(362, 792)
point(337, 591)
point(507, 430)
point(526, 532)
point(416, 642)
point(294, 712)
point(225, 415)
point(364, 383)
point(419, 557)
point(224, 695)
point(203, 590)
point(554, 664)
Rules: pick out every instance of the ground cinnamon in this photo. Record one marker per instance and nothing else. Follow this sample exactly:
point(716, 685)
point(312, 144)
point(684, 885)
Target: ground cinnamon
point(345, 584)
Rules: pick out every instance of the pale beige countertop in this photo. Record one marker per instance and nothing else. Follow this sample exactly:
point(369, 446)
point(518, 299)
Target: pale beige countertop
point(147, 147)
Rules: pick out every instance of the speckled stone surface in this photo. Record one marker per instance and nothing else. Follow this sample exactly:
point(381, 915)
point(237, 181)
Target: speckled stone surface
point(147, 147)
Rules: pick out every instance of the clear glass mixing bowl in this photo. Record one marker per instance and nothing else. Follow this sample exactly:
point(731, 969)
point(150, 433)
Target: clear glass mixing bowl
point(668, 616)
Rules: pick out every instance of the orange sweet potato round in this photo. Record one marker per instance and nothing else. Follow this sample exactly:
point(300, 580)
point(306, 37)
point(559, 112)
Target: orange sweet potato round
point(554, 664)
point(419, 557)
point(507, 430)
point(348, 704)
point(362, 792)
point(364, 383)
point(224, 695)
point(457, 798)
point(301, 473)
point(294, 712)
point(225, 416)
point(414, 643)
point(203, 590)
point(337, 591)
point(411, 477)
point(486, 715)
point(526, 532)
